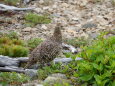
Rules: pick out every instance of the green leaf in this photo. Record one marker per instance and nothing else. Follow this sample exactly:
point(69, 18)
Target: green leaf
point(87, 77)
point(113, 84)
point(107, 74)
point(98, 79)
point(98, 67)
point(85, 84)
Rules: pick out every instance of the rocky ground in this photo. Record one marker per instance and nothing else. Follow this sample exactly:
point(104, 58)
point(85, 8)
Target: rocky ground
point(80, 18)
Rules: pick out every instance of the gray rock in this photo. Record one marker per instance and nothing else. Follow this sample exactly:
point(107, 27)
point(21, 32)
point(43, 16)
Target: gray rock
point(69, 48)
point(65, 60)
point(56, 78)
point(59, 75)
point(93, 35)
point(78, 58)
point(31, 73)
point(56, 15)
point(27, 29)
point(85, 35)
point(62, 60)
point(6, 61)
point(26, 1)
point(89, 25)
point(33, 83)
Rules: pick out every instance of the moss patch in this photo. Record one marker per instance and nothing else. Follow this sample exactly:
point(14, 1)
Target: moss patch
point(33, 19)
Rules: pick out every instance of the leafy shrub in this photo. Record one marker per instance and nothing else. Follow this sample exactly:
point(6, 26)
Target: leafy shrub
point(70, 55)
point(32, 43)
point(14, 79)
point(12, 2)
point(68, 69)
point(98, 66)
point(10, 45)
point(33, 19)
point(45, 71)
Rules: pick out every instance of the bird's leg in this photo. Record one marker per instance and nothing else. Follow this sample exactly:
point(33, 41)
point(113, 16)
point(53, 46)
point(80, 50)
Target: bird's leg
point(42, 65)
point(30, 63)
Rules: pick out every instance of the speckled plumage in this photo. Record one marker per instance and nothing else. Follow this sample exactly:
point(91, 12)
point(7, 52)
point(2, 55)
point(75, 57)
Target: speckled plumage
point(47, 50)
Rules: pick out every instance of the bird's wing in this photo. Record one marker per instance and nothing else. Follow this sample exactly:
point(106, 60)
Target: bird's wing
point(48, 46)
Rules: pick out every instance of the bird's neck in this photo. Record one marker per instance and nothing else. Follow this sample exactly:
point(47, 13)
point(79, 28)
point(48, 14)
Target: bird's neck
point(57, 35)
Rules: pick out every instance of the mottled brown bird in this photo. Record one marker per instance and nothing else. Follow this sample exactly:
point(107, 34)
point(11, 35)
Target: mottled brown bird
point(47, 50)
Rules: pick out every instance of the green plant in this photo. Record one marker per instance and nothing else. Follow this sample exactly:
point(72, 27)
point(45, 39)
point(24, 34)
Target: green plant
point(56, 68)
point(5, 40)
point(113, 2)
point(14, 79)
point(98, 66)
point(13, 50)
point(12, 35)
point(62, 84)
point(70, 55)
point(70, 70)
point(33, 19)
point(19, 51)
point(10, 45)
point(18, 42)
point(58, 82)
point(32, 43)
point(12, 2)
point(45, 71)
point(77, 42)
point(6, 50)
